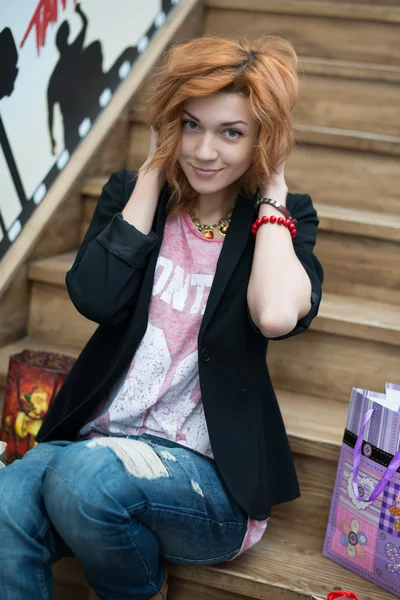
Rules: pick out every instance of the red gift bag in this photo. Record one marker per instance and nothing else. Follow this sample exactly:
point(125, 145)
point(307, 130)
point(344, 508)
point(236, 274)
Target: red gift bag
point(33, 381)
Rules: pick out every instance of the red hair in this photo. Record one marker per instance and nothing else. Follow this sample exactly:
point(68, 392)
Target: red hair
point(263, 70)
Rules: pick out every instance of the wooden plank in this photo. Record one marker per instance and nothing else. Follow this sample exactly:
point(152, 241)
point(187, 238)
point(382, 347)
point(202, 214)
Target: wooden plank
point(111, 156)
point(320, 432)
point(180, 589)
point(54, 318)
point(62, 231)
point(371, 260)
point(349, 104)
point(360, 266)
point(139, 142)
point(338, 177)
point(359, 317)
point(325, 357)
point(329, 365)
point(337, 10)
point(357, 221)
point(312, 65)
point(14, 307)
point(328, 37)
point(337, 137)
point(286, 565)
point(52, 270)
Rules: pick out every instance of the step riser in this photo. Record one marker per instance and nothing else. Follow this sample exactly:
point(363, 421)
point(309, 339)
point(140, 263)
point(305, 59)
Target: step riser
point(313, 36)
point(326, 365)
point(345, 178)
point(317, 480)
point(54, 317)
point(320, 363)
point(350, 104)
point(360, 266)
point(329, 175)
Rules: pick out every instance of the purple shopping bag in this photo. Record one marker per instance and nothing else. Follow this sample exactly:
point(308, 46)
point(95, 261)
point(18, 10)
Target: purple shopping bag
point(363, 532)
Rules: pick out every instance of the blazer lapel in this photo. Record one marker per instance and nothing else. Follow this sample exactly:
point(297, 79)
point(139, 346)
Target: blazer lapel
point(232, 249)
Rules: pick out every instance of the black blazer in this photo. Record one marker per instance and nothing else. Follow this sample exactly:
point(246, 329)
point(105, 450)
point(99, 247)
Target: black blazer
point(111, 283)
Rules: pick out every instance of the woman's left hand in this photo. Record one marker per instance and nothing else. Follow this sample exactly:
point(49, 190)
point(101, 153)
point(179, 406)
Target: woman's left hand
point(276, 186)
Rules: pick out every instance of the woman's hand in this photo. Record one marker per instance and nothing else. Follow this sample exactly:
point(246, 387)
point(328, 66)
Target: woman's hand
point(276, 187)
point(157, 170)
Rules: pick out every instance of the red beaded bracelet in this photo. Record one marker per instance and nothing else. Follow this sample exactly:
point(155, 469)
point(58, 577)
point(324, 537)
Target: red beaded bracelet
point(274, 220)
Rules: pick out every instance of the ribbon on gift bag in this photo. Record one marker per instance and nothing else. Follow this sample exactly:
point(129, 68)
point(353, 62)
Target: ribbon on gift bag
point(388, 474)
point(337, 594)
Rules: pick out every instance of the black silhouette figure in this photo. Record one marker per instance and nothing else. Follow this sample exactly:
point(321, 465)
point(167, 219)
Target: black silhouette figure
point(8, 76)
point(8, 63)
point(78, 80)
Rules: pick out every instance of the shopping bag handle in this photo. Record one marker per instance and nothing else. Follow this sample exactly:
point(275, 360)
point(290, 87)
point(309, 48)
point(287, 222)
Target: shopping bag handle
point(391, 469)
point(341, 594)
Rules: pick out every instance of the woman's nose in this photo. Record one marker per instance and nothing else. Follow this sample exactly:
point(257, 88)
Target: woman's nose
point(205, 149)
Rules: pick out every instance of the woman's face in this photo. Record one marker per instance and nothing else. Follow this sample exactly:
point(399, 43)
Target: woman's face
point(218, 138)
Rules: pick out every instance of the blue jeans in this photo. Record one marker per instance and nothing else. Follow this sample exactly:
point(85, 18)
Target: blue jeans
point(122, 506)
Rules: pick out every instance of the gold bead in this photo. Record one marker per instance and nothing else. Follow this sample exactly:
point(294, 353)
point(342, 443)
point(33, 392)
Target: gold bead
point(224, 229)
point(209, 235)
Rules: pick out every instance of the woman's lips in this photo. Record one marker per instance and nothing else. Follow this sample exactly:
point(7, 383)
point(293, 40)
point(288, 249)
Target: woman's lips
point(205, 172)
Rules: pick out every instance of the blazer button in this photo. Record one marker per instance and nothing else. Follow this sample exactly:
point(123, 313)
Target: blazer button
point(205, 355)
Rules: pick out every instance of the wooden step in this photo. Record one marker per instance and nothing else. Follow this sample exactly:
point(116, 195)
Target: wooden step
point(341, 315)
point(360, 265)
point(358, 104)
point(287, 565)
point(261, 572)
point(348, 69)
point(326, 160)
point(347, 139)
point(294, 537)
point(356, 221)
point(358, 248)
point(359, 251)
point(319, 435)
point(348, 178)
point(332, 94)
point(329, 365)
point(343, 342)
point(343, 31)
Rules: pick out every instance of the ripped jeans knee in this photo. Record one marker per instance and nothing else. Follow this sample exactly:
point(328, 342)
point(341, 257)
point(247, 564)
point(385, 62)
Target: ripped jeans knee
point(144, 485)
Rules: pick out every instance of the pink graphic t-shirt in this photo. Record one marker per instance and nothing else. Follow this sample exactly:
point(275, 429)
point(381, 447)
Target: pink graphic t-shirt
point(159, 393)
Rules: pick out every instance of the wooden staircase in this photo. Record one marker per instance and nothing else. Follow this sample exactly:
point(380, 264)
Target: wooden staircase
point(348, 134)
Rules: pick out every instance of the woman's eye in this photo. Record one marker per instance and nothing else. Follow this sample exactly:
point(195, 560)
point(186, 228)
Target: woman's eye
point(190, 124)
point(233, 133)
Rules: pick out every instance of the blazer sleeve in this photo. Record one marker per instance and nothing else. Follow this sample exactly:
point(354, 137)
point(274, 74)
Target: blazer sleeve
point(302, 209)
point(107, 273)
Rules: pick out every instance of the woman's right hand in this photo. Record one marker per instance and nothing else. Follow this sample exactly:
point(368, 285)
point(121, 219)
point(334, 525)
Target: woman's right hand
point(158, 170)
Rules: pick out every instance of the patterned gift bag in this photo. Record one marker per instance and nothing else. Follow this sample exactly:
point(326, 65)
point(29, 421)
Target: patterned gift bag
point(363, 532)
point(33, 381)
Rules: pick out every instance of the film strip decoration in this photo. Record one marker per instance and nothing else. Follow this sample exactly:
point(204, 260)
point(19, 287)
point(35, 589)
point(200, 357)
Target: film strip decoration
point(113, 79)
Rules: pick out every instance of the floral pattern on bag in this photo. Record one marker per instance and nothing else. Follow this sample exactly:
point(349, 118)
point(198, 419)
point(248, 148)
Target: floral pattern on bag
point(353, 539)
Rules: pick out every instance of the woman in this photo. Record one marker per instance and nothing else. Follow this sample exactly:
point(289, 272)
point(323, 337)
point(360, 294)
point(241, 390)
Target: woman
point(166, 441)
